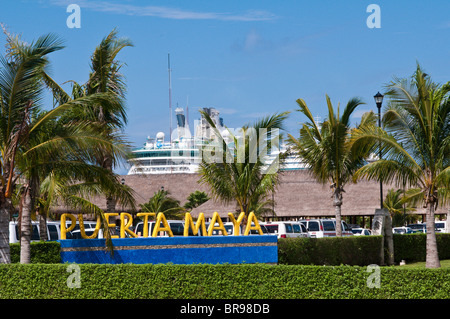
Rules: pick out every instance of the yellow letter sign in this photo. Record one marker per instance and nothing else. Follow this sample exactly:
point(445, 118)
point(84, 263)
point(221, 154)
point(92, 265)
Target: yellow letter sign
point(188, 222)
point(252, 217)
point(216, 219)
point(160, 218)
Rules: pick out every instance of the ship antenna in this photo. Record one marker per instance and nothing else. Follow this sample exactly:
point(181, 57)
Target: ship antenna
point(170, 96)
point(187, 110)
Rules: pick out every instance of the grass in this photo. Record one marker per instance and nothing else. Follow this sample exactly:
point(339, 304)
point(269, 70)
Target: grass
point(444, 264)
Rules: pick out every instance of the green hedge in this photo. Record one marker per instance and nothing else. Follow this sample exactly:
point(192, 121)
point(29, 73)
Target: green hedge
point(258, 281)
point(412, 247)
point(41, 252)
point(354, 250)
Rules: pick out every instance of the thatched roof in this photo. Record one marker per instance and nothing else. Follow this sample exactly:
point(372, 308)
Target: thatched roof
point(298, 195)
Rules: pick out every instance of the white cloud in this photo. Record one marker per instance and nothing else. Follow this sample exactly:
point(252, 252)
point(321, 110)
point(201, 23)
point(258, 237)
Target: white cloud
point(167, 12)
point(252, 40)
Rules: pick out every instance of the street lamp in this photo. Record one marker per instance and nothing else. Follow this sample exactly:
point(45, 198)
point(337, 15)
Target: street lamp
point(379, 100)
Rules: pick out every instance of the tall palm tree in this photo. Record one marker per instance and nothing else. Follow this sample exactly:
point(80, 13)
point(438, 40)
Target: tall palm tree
point(20, 94)
point(23, 126)
point(238, 172)
point(325, 148)
point(415, 145)
point(105, 77)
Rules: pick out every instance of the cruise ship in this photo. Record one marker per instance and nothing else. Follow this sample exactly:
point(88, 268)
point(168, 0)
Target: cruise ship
point(181, 152)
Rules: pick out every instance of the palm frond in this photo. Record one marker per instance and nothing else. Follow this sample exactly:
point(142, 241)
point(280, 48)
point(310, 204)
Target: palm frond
point(240, 173)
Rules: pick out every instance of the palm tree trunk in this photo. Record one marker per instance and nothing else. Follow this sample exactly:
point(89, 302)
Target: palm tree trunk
point(25, 228)
point(43, 227)
point(337, 211)
point(5, 256)
point(432, 258)
point(337, 203)
point(110, 201)
point(388, 238)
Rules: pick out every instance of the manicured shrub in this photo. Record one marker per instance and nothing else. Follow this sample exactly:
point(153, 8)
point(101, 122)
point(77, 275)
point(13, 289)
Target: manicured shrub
point(355, 250)
point(412, 247)
point(202, 281)
point(41, 252)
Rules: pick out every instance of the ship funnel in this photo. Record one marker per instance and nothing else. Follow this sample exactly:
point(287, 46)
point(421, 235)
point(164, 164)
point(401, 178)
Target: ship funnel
point(181, 119)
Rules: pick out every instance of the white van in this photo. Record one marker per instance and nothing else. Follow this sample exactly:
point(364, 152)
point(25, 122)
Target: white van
point(229, 227)
point(287, 229)
point(176, 226)
point(53, 231)
point(318, 228)
point(89, 227)
point(402, 230)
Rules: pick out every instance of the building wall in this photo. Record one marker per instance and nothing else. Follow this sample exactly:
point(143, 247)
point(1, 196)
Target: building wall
point(297, 196)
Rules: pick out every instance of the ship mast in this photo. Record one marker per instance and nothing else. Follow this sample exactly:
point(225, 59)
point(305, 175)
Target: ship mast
point(170, 97)
point(187, 111)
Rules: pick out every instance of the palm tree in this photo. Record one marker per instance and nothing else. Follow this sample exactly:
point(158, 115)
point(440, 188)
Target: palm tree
point(105, 77)
point(20, 93)
point(398, 207)
point(238, 171)
point(325, 148)
point(161, 202)
point(415, 145)
point(23, 127)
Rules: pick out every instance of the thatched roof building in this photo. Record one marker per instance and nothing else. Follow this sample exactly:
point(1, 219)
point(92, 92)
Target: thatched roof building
point(297, 196)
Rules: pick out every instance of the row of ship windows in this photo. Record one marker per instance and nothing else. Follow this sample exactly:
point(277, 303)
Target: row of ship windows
point(164, 162)
point(167, 154)
point(161, 169)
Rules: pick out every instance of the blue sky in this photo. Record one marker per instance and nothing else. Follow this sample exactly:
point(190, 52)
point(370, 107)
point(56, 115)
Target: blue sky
point(246, 58)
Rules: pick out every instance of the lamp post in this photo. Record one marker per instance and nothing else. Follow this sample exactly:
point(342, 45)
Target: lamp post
point(379, 100)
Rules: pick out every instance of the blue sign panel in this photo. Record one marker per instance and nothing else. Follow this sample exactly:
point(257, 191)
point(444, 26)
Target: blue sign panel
point(176, 250)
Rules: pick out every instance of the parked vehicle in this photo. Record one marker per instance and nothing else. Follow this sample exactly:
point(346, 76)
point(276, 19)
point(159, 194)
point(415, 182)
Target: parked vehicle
point(76, 234)
point(361, 232)
point(286, 229)
point(230, 229)
point(402, 230)
point(176, 226)
point(442, 226)
point(418, 228)
point(53, 231)
point(318, 228)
